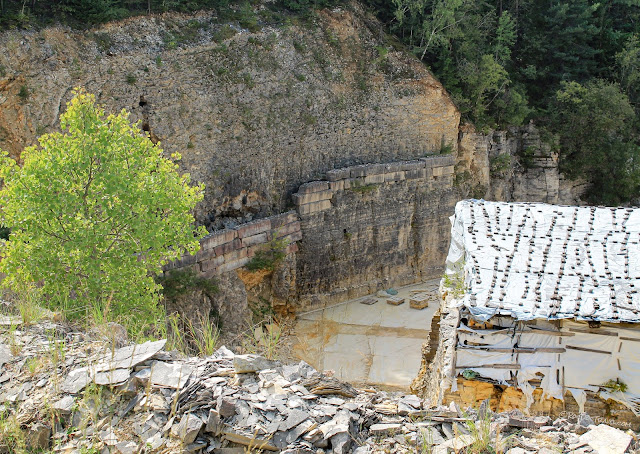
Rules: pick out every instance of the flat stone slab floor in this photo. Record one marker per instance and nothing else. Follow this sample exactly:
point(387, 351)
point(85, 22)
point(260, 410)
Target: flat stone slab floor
point(378, 344)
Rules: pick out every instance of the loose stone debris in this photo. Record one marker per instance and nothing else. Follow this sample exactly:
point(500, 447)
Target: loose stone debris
point(83, 395)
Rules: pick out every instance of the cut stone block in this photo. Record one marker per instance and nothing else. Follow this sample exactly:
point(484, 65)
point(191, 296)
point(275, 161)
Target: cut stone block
point(235, 255)
point(252, 240)
point(394, 176)
point(315, 207)
point(283, 219)
point(295, 236)
point(313, 186)
point(439, 160)
point(395, 300)
point(217, 238)
point(358, 171)
point(416, 174)
point(336, 185)
point(287, 229)
point(412, 165)
point(441, 171)
point(369, 301)
point(253, 228)
point(211, 264)
point(374, 179)
point(235, 264)
point(228, 247)
point(338, 174)
point(419, 301)
point(376, 169)
point(301, 199)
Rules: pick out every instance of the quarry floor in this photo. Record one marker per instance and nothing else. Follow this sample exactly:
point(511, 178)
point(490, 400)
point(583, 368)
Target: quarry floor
point(376, 344)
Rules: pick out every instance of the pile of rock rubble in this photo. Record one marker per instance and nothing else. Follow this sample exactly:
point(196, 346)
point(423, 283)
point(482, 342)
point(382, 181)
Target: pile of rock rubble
point(73, 394)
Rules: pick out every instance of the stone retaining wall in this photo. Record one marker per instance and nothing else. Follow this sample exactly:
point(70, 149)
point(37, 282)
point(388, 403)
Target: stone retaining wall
point(364, 228)
point(228, 249)
point(369, 227)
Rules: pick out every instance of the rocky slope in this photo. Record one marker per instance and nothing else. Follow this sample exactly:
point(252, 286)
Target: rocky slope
point(69, 391)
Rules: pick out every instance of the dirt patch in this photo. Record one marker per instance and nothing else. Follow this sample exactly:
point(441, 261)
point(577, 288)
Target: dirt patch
point(252, 279)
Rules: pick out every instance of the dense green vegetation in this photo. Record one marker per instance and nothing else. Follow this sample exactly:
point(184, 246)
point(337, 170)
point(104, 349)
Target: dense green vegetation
point(94, 212)
point(573, 67)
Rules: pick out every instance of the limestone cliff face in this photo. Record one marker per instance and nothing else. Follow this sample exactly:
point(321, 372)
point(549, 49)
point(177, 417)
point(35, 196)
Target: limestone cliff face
point(254, 114)
point(515, 165)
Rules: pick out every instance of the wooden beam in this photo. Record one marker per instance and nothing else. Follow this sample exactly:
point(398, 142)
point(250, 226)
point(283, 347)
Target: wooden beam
point(583, 349)
point(598, 331)
point(548, 332)
point(492, 366)
point(514, 350)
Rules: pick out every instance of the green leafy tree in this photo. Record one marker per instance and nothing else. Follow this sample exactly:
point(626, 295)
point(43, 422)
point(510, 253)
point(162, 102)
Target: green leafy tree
point(628, 62)
point(594, 122)
point(94, 212)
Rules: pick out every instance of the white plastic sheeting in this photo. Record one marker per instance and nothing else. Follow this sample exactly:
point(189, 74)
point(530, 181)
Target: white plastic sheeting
point(532, 260)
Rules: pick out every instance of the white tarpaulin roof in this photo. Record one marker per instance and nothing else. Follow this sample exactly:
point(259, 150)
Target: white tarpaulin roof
point(533, 260)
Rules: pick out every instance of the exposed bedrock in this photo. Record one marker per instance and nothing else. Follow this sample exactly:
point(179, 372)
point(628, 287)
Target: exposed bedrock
point(258, 115)
point(254, 114)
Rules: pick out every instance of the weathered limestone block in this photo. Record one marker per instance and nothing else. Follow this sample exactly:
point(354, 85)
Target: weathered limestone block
point(217, 238)
point(338, 174)
point(252, 240)
point(210, 265)
point(253, 228)
point(301, 199)
point(439, 160)
point(394, 176)
point(408, 166)
point(314, 207)
point(293, 237)
point(230, 265)
point(228, 247)
point(235, 255)
point(313, 186)
point(283, 219)
point(395, 300)
point(416, 174)
point(186, 260)
point(358, 171)
point(336, 185)
point(287, 229)
point(354, 182)
point(441, 171)
point(290, 249)
point(374, 179)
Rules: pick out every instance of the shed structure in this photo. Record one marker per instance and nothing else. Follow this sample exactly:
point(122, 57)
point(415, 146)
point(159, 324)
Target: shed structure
point(541, 311)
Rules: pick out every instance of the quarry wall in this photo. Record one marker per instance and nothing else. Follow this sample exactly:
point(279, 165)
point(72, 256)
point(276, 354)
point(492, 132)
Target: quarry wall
point(371, 227)
point(257, 115)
